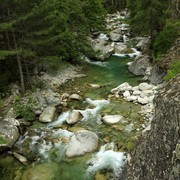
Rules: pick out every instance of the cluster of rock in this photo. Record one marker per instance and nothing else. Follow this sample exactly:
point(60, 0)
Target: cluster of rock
point(51, 102)
point(55, 81)
point(114, 41)
point(143, 94)
point(158, 153)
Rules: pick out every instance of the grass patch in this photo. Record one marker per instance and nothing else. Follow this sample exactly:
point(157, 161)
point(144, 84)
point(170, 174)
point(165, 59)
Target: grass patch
point(2, 140)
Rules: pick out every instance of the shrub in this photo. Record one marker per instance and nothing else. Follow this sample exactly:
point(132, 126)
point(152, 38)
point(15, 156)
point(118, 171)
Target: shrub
point(24, 107)
point(166, 38)
point(173, 71)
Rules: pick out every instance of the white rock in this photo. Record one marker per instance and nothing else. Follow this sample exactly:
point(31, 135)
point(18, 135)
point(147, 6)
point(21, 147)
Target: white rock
point(143, 101)
point(96, 86)
point(145, 86)
point(122, 87)
point(148, 128)
point(136, 92)
point(74, 117)
point(135, 88)
point(65, 96)
point(75, 97)
point(126, 94)
point(120, 48)
point(131, 98)
point(47, 115)
point(82, 142)
point(142, 95)
point(148, 92)
point(113, 119)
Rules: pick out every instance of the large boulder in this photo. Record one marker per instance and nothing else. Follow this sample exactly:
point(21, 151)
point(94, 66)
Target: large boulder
point(47, 115)
point(144, 44)
point(145, 86)
point(9, 134)
point(157, 155)
point(82, 142)
point(103, 49)
point(157, 74)
point(120, 48)
point(122, 87)
point(74, 117)
point(116, 35)
point(140, 65)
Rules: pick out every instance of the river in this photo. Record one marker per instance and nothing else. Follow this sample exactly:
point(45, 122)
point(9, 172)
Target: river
point(44, 145)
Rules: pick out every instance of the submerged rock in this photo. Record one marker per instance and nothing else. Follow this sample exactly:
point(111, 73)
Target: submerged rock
point(45, 171)
point(82, 142)
point(47, 115)
point(95, 86)
point(113, 119)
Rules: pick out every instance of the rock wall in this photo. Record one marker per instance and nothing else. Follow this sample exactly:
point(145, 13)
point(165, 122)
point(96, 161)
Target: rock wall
point(157, 157)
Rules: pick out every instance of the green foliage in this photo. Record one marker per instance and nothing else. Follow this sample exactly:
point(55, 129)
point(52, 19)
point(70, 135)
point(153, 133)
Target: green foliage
point(146, 17)
point(2, 140)
point(48, 28)
point(166, 37)
point(5, 53)
point(173, 71)
point(24, 107)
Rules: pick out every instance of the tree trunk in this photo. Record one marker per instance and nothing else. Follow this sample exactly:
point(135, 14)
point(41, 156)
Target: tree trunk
point(18, 60)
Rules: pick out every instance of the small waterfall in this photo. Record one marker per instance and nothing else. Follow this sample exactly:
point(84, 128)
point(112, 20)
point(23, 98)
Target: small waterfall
point(98, 63)
point(131, 55)
point(89, 113)
point(106, 158)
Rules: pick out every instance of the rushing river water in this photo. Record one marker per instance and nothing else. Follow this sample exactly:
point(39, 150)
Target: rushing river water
point(44, 145)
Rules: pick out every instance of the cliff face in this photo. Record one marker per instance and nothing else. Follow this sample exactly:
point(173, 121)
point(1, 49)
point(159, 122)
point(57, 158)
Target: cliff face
point(157, 157)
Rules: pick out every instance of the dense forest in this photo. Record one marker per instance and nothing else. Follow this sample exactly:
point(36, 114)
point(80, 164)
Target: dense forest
point(34, 33)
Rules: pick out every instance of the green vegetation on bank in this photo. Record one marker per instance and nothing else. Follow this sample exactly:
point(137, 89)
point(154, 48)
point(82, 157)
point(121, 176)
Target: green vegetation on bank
point(173, 71)
point(158, 19)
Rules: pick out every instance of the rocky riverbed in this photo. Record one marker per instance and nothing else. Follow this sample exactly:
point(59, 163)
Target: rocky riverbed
point(86, 120)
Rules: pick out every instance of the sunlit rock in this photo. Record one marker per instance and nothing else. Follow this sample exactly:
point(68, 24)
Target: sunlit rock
point(122, 87)
point(76, 97)
point(82, 142)
point(126, 94)
point(9, 134)
point(47, 115)
point(145, 86)
point(74, 116)
point(112, 119)
point(21, 158)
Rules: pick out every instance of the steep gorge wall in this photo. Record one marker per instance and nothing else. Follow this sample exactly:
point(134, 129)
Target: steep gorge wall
point(157, 156)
